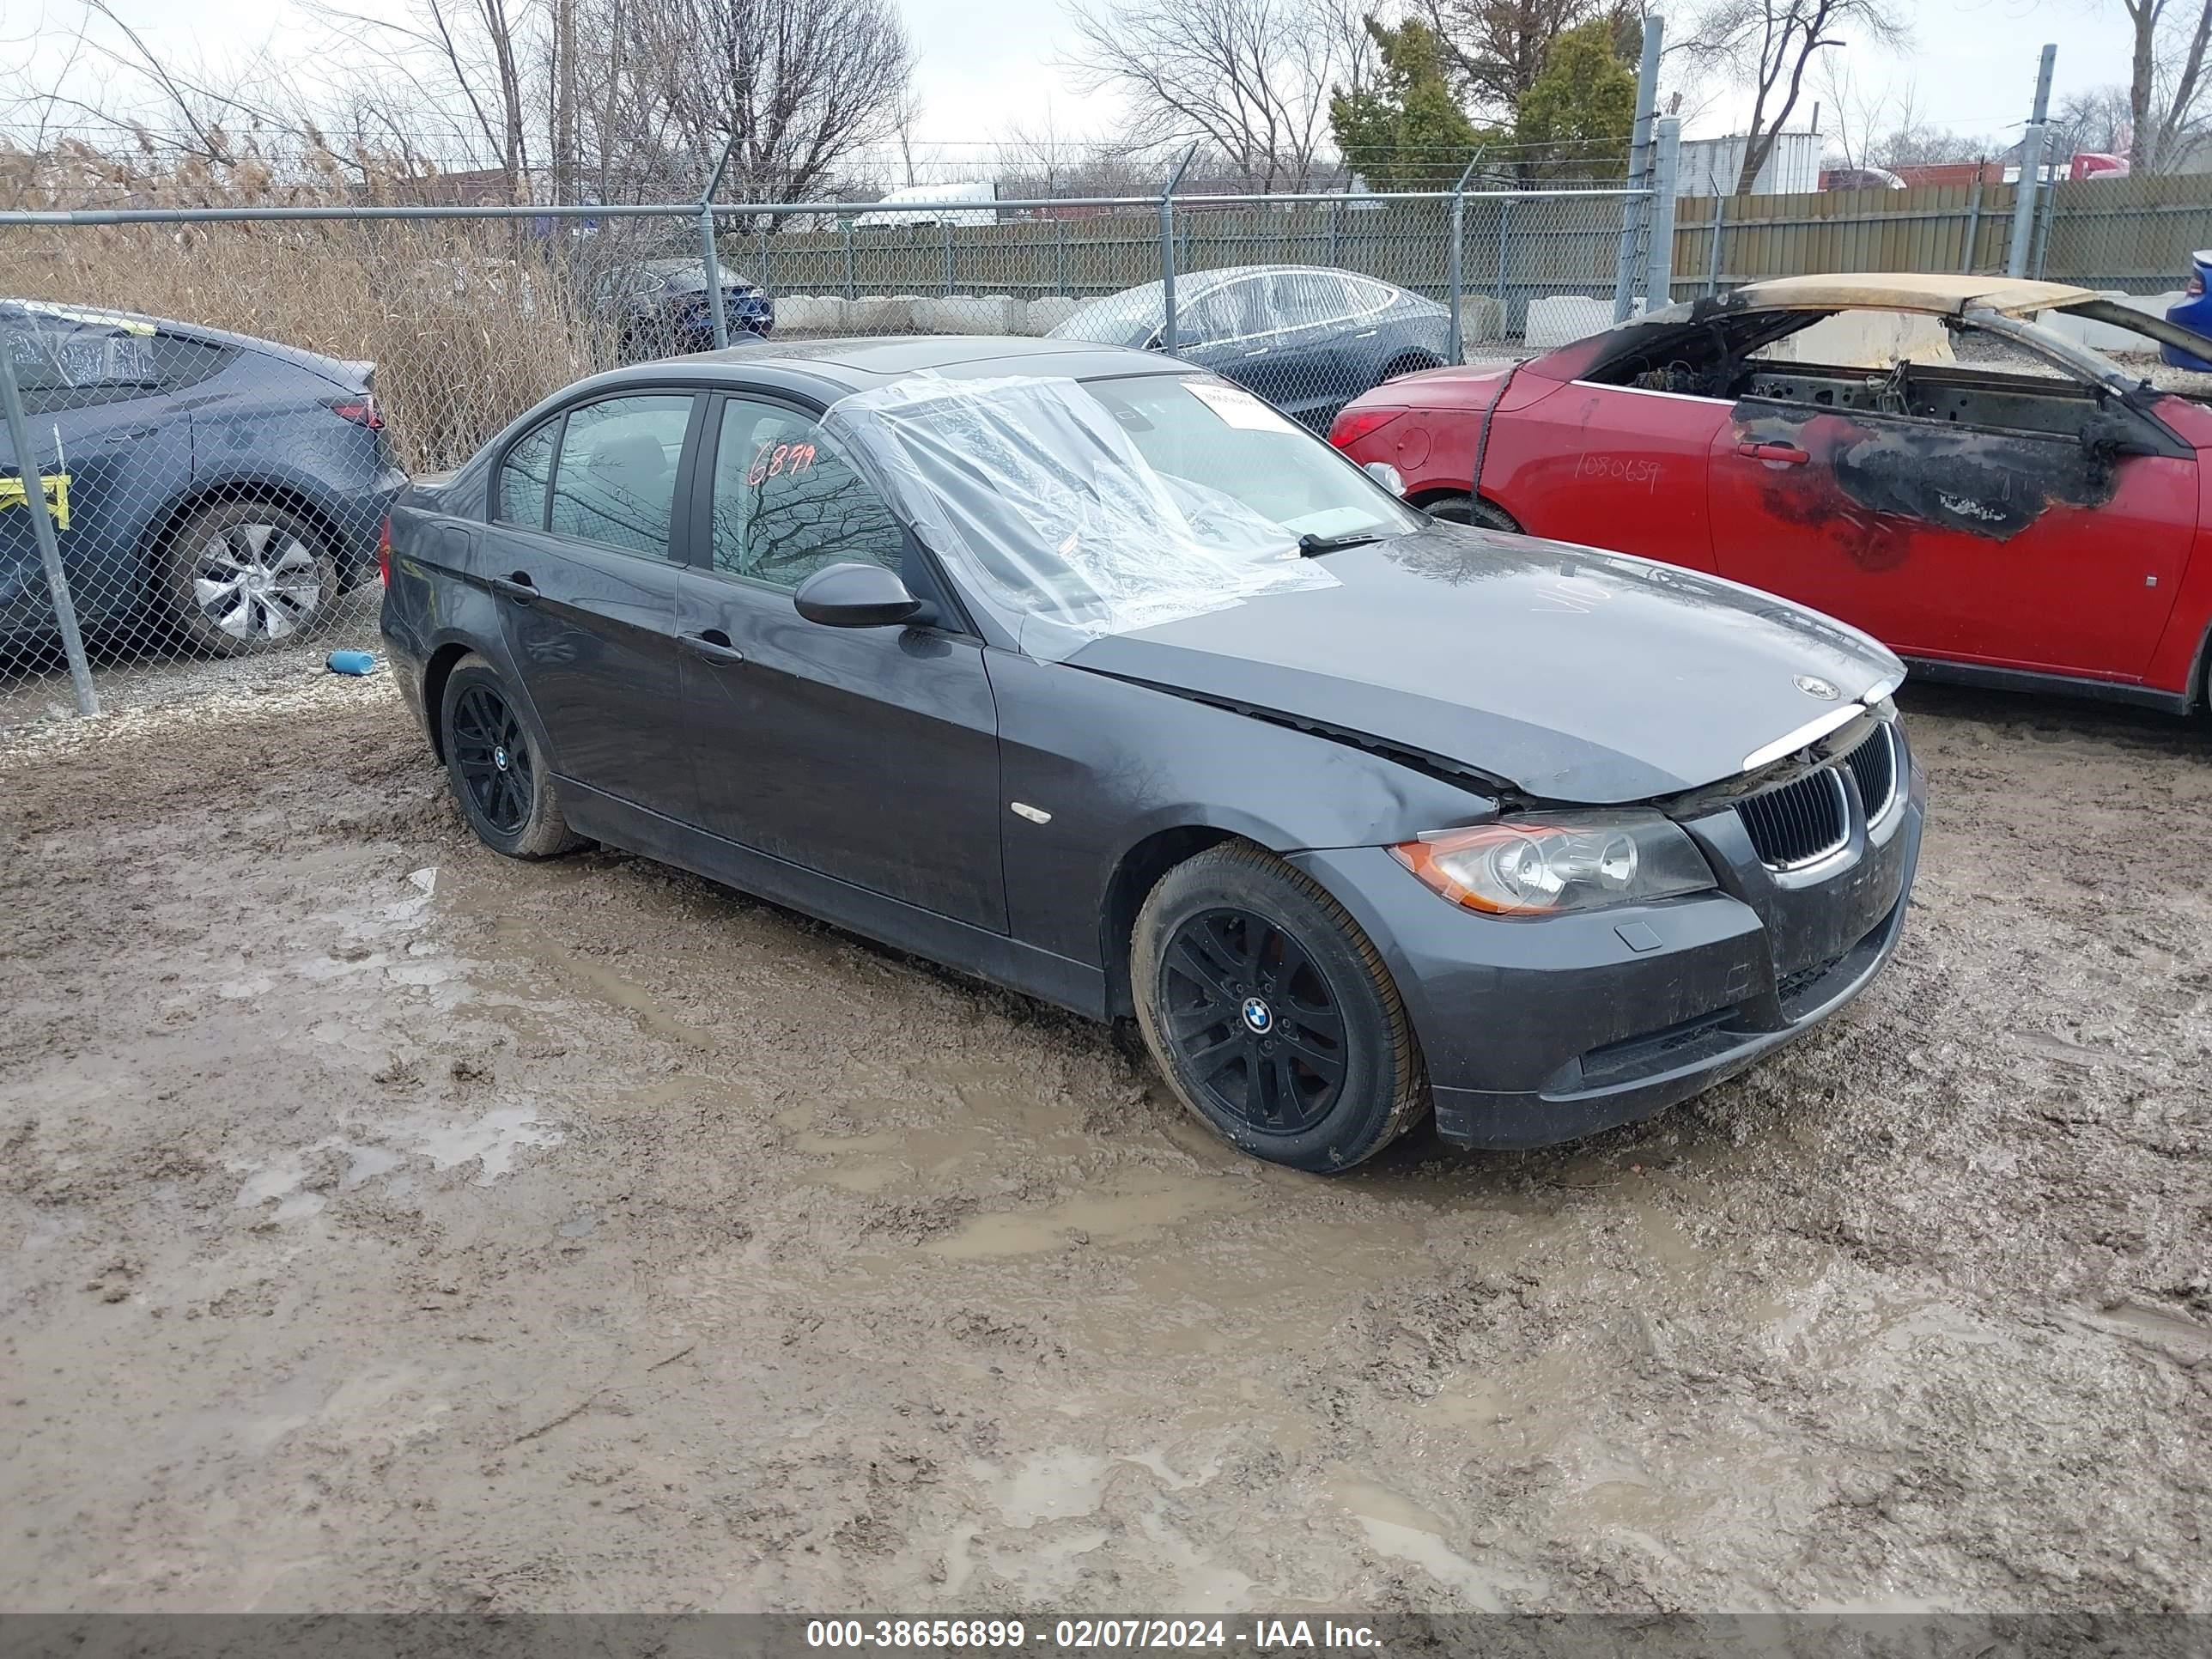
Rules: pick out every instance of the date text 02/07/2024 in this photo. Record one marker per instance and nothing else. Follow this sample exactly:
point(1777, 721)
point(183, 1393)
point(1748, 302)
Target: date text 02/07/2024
point(1084, 1635)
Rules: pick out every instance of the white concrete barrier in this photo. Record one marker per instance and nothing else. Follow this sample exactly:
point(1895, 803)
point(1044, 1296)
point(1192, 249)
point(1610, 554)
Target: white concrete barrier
point(810, 314)
point(1481, 318)
point(878, 313)
point(2103, 337)
point(1048, 314)
point(966, 313)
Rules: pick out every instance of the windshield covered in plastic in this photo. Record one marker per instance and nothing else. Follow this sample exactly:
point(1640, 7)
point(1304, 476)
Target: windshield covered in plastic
point(1082, 508)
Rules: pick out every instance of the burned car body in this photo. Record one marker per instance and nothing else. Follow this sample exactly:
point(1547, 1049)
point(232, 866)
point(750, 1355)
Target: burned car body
point(968, 645)
point(1928, 458)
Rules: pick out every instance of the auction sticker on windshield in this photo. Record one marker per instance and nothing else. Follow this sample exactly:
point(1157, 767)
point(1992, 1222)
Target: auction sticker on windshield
point(1238, 407)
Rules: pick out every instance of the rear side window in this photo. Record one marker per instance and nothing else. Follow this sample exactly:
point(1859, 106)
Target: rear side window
point(615, 481)
point(526, 475)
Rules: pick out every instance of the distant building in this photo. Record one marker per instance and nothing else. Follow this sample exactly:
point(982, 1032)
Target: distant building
point(1710, 167)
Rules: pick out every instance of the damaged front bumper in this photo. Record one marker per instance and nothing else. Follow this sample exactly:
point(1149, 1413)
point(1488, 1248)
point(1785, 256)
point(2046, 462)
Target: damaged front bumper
point(1545, 1031)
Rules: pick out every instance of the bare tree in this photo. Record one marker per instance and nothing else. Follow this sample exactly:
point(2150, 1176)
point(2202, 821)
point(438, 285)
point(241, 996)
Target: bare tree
point(806, 86)
point(1247, 79)
point(1772, 43)
point(2097, 120)
point(2166, 79)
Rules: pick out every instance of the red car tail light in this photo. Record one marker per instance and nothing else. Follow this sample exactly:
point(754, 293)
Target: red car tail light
point(383, 551)
point(360, 408)
point(1353, 424)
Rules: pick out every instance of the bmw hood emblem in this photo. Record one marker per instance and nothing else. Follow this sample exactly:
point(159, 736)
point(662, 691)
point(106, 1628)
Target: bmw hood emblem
point(1812, 686)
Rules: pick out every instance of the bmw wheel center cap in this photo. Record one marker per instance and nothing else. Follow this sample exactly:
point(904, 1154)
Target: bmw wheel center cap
point(1258, 1016)
point(499, 758)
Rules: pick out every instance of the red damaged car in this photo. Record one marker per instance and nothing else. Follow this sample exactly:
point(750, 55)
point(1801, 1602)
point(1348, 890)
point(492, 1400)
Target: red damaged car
point(1918, 455)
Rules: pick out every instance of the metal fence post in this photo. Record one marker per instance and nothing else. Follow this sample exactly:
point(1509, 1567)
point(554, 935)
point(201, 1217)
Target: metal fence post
point(1060, 260)
point(715, 306)
point(1335, 228)
point(1659, 284)
point(1713, 252)
point(1973, 227)
point(2031, 168)
point(713, 278)
point(2041, 261)
point(1504, 240)
point(768, 272)
point(852, 284)
point(948, 257)
point(1170, 336)
point(1635, 209)
point(34, 478)
point(1456, 256)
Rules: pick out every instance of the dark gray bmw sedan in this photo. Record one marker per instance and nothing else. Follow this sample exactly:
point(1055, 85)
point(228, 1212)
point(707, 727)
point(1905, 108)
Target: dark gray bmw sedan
point(1087, 672)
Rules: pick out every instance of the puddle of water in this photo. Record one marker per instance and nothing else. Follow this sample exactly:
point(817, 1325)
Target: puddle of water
point(1406, 1532)
point(492, 1140)
point(524, 945)
point(1111, 1216)
point(1061, 1484)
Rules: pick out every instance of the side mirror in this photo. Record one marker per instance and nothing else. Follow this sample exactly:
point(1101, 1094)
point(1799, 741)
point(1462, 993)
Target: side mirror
point(2108, 438)
point(855, 595)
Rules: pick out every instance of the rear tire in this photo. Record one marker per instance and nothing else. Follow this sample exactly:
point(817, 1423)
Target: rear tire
point(240, 578)
point(1472, 509)
point(506, 789)
point(1271, 1014)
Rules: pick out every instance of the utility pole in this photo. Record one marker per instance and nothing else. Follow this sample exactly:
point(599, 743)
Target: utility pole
point(1635, 209)
point(2030, 169)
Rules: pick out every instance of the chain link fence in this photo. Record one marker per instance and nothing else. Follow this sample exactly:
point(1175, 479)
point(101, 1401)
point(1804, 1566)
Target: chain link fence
point(221, 404)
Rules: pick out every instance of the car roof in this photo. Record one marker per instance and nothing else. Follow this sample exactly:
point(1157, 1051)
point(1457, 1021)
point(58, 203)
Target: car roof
point(345, 371)
point(1937, 294)
point(857, 364)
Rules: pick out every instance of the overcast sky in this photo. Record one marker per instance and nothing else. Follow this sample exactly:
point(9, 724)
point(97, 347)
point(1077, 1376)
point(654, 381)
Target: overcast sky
point(985, 64)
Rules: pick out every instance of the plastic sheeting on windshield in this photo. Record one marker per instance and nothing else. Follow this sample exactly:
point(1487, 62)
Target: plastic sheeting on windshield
point(1033, 489)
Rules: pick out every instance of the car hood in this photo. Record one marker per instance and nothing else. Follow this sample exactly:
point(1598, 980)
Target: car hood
point(1569, 674)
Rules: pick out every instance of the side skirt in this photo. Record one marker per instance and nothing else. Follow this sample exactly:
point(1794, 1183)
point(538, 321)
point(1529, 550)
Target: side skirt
point(2065, 686)
point(1076, 986)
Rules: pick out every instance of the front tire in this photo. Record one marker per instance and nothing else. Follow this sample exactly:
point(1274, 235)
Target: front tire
point(506, 790)
point(1472, 509)
point(1271, 1014)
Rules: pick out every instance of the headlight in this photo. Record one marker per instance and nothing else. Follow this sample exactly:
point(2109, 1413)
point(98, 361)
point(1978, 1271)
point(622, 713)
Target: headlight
point(1564, 861)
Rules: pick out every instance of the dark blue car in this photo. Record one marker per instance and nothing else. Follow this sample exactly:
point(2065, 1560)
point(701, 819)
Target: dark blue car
point(1306, 340)
point(213, 493)
point(2193, 313)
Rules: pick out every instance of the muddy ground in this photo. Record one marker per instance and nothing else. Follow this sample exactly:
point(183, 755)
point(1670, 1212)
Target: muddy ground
point(386, 1225)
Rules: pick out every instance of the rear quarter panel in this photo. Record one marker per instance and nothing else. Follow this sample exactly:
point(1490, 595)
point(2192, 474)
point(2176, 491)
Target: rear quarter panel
point(261, 423)
point(437, 607)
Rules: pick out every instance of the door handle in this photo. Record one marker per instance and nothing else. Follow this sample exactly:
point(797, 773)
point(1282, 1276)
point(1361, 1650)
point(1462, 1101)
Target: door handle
point(131, 437)
point(1789, 454)
point(711, 647)
point(516, 587)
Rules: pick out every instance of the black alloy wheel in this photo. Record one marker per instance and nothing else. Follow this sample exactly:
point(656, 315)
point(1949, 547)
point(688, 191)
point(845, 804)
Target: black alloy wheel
point(499, 773)
point(491, 757)
point(1271, 1015)
point(1252, 1019)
